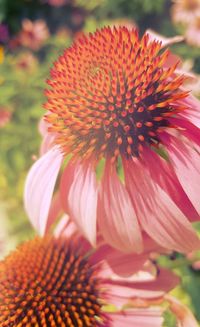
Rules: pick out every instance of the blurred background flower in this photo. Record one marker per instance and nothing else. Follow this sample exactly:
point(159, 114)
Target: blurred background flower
point(32, 34)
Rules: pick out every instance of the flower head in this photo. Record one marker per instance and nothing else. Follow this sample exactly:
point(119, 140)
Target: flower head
point(110, 95)
point(61, 282)
point(48, 282)
point(115, 96)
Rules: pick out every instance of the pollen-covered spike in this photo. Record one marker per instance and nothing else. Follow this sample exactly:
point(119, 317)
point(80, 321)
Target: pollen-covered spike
point(129, 150)
point(158, 118)
point(148, 123)
point(46, 282)
point(119, 140)
point(141, 137)
point(130, 140)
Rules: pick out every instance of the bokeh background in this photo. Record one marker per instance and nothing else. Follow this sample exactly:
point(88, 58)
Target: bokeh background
point(32, 35)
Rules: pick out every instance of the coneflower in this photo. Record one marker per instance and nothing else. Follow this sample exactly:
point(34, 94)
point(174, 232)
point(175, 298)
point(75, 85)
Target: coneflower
point(116, 98)
point(60, 282)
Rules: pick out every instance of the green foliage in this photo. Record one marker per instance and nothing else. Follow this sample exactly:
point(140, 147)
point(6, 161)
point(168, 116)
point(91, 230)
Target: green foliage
point(22, 89)
point(169, 319)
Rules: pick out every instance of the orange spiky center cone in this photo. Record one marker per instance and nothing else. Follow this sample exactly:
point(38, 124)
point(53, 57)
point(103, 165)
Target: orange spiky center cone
point(110, 94)
point(45, 283)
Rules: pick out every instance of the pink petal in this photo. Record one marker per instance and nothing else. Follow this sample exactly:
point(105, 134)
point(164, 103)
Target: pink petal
point(47, 143)
point(190, 131)
point(193, 112)
point(124, 264)
point(66, 182)
point(39, 188)
point(147, 287)
point(67, 229)
point(118, 263)
point(116, 216)
point(163, 174)
point(54, 211)
point(185, 161)
point(48, 137)
point(157, 213)
point(81, 196)
point(137, 318)
point(43, 126)
point(171, 60)
point(184, 315)
point(165, 40)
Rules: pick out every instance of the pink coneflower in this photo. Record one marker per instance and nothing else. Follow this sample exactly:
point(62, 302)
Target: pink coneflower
point(62, 281)
point(185, 11)
point(33, 34)
point(117, 100)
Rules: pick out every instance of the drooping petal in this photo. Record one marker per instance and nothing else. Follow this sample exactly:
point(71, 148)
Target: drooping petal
point(43, 126)
point(193, 112)
point(81, 197)
point(116, 216)
point(63, 229)
point(163, 174)
point(165, 40)
point(137, 318)
point(143, 286)
point(117, 262)
point(47, 138)
point(54, 211)
point(124, 264)
point(189, 130)
point(184, 316)
point(39, 188)
point(66, 182)
point(185, 160)
point(68, 229)
point(47, 143)
point(157, 213)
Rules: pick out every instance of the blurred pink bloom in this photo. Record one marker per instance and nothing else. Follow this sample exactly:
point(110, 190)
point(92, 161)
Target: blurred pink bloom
point(113, 96)
point(185, 11)
point(27, 61)
point(73, 282)
point(33, 34)
point(192, 33)
point(5, 116)
point(77, 17)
